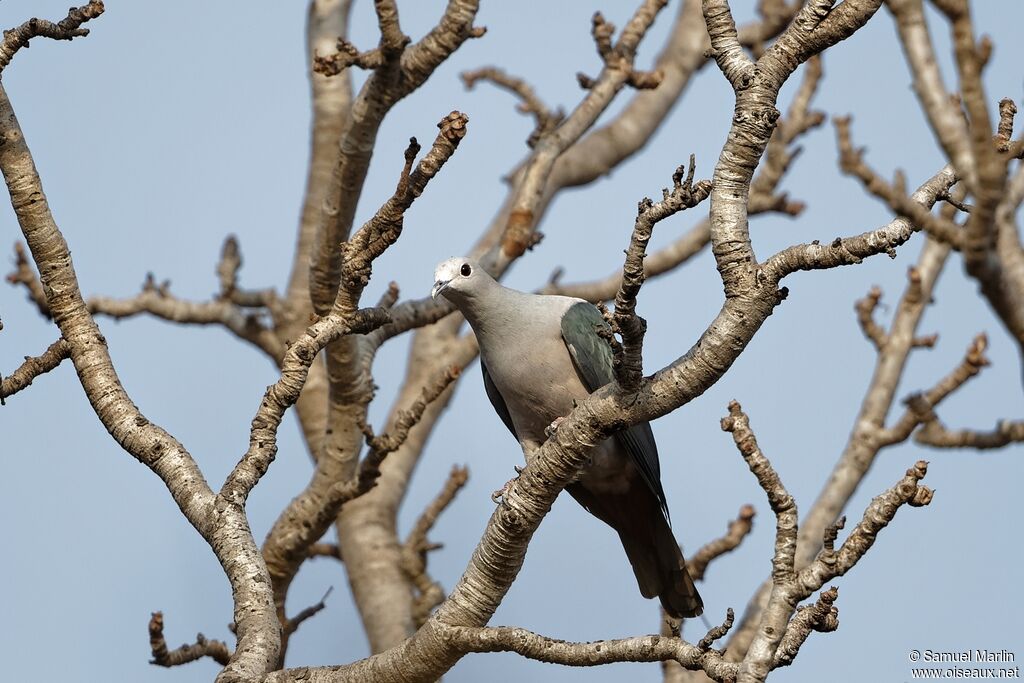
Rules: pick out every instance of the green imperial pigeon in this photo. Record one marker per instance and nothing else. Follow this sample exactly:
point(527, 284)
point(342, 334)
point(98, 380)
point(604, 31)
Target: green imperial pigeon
point(539, 354)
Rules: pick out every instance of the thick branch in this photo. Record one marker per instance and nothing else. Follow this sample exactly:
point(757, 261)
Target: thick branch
point(737, 67)
point(331, 102)
point(756, 92)
point(224, 527)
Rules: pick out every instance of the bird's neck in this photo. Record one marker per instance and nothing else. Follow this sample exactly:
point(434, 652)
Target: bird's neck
point(493, 308)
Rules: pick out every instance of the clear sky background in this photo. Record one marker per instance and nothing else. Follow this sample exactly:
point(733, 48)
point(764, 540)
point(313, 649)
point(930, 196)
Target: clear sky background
point(174, 124)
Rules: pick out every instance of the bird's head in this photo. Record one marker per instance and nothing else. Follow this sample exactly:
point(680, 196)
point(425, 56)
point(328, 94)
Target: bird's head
point(457, 278)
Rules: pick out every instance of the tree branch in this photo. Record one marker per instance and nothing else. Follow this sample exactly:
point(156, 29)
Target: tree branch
point(852, 250)
point(25, 275)
point(739, 529)
point(545, 119)
point(214, 649)
point(403, 70)
point(331, 104)
point(851, 161)
point(346, 54)
point(920, 405)
point(628, 361)
point(781, 502)
point(863, 445)
point(308, 516)
point(381, 446)
point(325, 550)
point(736, 66)
point(822, 616)
point(224, 527)
point(945, 118)
point(416, 546)
point(384, 229)
point(936, 435)
point(66, 29)
point(157, 300)
point(789, 586)
point(799, 119)
point(866, 317)
point(292, 624)
point(33, 367)
point(531, 645)
point(282, 395)
point(519, 230)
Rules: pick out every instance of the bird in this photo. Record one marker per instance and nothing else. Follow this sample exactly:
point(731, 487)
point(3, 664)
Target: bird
point(540, 354)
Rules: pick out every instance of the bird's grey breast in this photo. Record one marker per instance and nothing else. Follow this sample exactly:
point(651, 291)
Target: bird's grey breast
point(530, 365)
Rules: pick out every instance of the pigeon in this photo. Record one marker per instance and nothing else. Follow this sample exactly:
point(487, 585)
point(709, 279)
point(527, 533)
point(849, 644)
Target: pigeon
point(540, 354)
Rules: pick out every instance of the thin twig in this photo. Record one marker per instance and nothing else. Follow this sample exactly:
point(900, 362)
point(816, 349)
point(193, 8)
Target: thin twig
point(33, 367)
point(66, 29)
point(215, 649)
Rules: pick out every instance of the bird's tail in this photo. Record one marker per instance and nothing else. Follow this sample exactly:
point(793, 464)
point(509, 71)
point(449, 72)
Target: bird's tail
point(652, 550)
point(661, 570)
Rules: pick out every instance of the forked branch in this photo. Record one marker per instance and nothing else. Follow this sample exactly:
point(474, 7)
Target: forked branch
point(216, 650)
point(628, 362)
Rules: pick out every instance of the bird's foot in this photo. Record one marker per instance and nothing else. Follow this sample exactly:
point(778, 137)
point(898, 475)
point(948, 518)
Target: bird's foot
point(500, 494)
point(550, 430)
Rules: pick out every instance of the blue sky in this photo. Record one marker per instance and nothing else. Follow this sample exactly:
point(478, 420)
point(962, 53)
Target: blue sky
point(174, 124)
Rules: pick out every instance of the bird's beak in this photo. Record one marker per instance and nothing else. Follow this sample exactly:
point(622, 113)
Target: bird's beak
point(439, 287)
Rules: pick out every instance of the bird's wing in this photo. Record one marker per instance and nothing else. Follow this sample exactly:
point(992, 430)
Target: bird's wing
point(592, 357)
point(496, 400)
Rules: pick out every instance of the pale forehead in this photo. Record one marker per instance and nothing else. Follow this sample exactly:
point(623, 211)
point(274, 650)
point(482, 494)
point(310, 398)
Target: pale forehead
point(448, 268)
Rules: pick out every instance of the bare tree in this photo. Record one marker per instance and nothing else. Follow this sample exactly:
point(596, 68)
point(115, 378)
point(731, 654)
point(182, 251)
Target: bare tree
point(323, 337)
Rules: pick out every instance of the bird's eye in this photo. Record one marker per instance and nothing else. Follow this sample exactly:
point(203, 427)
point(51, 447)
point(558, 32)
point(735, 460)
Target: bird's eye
point(466, 270)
